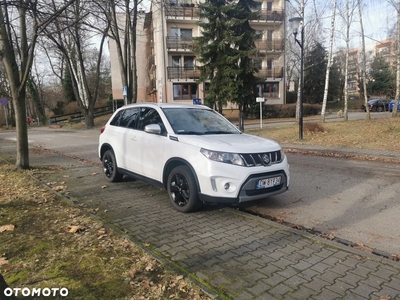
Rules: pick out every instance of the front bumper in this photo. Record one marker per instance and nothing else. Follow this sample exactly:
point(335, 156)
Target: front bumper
point(225, 183)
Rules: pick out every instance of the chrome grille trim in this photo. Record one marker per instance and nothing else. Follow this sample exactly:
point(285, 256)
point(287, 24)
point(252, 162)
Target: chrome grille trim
point(256, 159)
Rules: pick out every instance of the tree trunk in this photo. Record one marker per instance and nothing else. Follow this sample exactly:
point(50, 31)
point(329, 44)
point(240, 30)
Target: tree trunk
point(22, 158)
point(328, 67)
point(396, 100)
point(364, 63)
point(89, 116)
point(346, 71)
point(133, 53)
point(34, 92)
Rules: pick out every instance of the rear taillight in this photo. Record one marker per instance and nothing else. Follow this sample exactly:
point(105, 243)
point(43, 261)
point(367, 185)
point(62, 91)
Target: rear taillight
point(102, 129)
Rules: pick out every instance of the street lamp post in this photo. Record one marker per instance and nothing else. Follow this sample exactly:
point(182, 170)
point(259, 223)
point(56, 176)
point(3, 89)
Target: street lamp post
point(295, 24)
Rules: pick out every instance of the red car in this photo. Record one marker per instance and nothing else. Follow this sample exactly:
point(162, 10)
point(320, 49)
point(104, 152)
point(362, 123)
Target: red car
point(30, 120)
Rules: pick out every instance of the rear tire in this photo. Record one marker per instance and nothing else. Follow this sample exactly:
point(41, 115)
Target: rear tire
point(110, 168)
point(379, 109)
point(182, 190)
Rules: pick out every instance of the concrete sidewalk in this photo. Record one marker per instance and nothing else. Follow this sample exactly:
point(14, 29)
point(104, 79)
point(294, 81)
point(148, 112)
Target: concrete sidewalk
point(232, 255)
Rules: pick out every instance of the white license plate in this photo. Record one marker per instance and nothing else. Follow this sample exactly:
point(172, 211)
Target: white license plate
point(268, 182)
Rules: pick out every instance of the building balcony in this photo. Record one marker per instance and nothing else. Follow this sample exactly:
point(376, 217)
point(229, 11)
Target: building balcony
point(176, 43)
point(277, 45)
point(173, 11)
point(271, 15)
point(276, 72)
point(183, 73)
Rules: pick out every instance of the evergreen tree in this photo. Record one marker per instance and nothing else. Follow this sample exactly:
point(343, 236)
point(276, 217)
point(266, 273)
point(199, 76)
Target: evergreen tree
point(382, 79)
point(315, 64)
point(227, 52)
point(244, 35)
point(215, 52)
point(67, 86)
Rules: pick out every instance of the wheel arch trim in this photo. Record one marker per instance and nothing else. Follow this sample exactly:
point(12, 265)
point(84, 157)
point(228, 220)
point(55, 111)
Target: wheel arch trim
point(174, 162)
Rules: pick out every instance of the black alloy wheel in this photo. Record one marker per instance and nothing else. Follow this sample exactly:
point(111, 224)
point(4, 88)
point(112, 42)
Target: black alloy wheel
point(182, 189)
point(110, 168)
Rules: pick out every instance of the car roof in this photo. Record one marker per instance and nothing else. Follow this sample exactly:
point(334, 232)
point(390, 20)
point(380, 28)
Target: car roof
point(165, 105)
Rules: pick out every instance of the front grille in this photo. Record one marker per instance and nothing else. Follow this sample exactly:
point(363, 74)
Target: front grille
point(262, 159)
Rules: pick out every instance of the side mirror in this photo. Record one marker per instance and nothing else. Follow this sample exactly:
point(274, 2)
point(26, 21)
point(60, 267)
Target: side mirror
point(153, 129)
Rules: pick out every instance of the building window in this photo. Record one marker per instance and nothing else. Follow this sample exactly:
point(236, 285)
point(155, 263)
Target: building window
point(181, 32)
point(269, 35)
point(188, 62)
point(257, 6)
point(269, 6)
point(269, 63)
point(270, 89)
point(186, 33)
point(176, 61)
point(185, 91)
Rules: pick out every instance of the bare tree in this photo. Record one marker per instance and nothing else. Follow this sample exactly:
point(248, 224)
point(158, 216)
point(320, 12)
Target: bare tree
point(396, 100)
point(21, 22)
point(330, 59)
point(122, 17)
point(70, 34)
point(348, 18)
point(364, 62)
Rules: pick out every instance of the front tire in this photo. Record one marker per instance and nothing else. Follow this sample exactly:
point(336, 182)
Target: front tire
point(182, 190)
point(110, 168)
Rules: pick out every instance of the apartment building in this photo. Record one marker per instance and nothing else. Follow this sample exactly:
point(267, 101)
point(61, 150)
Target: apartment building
point(384, 48)
point(170, 66)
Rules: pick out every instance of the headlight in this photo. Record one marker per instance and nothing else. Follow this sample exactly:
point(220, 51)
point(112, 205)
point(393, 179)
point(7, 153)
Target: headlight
point(225, 157)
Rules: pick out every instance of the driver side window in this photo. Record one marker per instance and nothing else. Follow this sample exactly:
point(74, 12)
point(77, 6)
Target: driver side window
point(150, 116)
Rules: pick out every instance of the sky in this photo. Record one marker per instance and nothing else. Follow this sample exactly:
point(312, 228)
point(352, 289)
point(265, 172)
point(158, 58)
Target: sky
point(378, 17)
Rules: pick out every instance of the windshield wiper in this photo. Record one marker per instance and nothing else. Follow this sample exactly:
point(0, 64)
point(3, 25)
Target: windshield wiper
point(219, 132)
point(190, 132)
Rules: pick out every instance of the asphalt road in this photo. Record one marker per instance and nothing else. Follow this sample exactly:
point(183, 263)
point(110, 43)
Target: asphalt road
point(354, 200)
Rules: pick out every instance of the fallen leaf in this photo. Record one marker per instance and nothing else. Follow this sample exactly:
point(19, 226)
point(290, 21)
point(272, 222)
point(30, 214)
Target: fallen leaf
point(394, 257)
point(75, 229)
point(363, 248)
point(58, 188)
point(145, 284)
point(149, 267)
point(385, 298)
point(3, 261)
point(9, 227)
point(103, 186)
point(102, 231)
point(132, 273)
point(94, 173)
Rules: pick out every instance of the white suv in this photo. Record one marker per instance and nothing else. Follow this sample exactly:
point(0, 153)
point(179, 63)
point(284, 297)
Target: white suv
point(193, 152)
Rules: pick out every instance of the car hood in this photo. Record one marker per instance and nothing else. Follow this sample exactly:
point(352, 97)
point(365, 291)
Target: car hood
point(234, 143)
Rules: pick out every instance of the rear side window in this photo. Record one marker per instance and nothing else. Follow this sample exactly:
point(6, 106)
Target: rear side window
point(126, 118)
point(116, 119)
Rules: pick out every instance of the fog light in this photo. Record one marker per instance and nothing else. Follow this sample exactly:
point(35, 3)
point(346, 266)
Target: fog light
point(227, 186)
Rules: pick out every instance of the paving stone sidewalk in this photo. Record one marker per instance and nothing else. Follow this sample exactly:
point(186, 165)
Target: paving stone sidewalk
point(231, 254)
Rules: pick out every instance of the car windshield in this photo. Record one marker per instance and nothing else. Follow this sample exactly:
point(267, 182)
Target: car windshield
point(198, 121)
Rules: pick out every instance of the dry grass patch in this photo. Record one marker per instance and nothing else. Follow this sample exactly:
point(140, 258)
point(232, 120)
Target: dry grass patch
point(48, 243)
point(365, 134)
